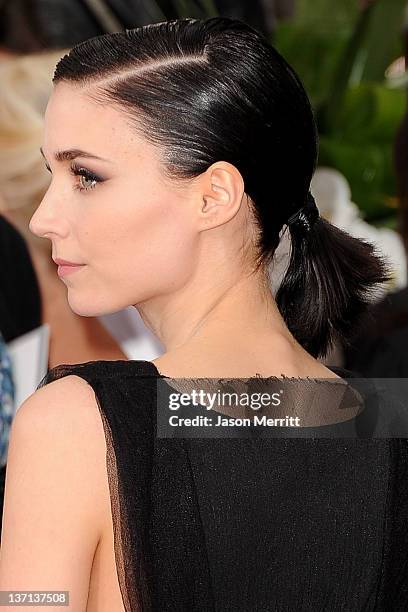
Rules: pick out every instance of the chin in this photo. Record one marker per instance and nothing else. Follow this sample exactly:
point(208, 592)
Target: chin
point(89, 309)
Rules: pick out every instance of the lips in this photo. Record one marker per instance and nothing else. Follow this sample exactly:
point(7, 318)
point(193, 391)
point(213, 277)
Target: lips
point(64, 262)
point(67, 270)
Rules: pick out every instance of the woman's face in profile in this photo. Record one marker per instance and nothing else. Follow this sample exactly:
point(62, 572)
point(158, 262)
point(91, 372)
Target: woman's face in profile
point(110, 207)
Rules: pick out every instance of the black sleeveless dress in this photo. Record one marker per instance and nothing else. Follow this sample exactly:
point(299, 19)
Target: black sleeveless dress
point(248, 525)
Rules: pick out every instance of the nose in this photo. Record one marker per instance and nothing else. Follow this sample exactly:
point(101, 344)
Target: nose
point(37, 225)
point(44, 222)
point(33, 227)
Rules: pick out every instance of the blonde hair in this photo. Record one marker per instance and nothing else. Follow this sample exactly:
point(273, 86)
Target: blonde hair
point(25, 86)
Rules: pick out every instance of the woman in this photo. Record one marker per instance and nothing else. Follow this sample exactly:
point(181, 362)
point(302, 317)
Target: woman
point(178, 152)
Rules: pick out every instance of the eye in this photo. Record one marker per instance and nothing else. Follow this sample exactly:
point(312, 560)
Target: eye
point(87, 179)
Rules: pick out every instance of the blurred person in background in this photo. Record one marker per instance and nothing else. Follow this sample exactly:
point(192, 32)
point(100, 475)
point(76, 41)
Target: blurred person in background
point(7, 412)
point(20, 297)
point(7, 407)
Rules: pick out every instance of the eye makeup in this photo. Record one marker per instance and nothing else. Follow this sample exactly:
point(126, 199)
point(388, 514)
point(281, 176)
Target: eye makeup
point(84, 174)
point(87, 175)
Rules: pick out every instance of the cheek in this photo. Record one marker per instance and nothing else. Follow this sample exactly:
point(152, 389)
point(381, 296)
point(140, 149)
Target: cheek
point(146, 248)
point(161, 248)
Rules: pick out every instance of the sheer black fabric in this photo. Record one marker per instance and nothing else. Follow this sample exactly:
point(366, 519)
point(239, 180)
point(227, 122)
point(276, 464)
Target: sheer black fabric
point(247, 524)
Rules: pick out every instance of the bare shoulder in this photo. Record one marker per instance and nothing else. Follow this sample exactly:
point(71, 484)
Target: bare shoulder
point(56, 491)
point(67, 401)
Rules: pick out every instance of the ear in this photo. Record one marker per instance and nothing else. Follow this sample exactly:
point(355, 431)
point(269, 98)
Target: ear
point(221, 193)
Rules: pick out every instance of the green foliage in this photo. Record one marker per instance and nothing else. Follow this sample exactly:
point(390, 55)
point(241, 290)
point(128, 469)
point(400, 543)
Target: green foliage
point(341, 56)
point(314, 54)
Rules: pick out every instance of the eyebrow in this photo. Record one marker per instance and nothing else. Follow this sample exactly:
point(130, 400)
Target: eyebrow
point(70, 154)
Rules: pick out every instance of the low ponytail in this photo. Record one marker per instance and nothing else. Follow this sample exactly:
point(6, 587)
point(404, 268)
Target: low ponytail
point(331, 279)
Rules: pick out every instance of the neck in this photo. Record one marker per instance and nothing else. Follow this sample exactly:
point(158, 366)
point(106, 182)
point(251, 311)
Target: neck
point(215, 314)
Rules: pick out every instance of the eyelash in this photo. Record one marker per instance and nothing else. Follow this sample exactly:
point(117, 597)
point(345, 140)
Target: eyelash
point(76, 170)
point(87, 174)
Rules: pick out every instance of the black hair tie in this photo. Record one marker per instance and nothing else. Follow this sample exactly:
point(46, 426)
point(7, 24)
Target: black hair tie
point(307, 215)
